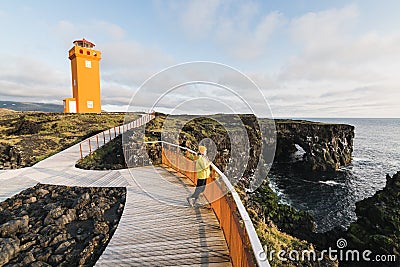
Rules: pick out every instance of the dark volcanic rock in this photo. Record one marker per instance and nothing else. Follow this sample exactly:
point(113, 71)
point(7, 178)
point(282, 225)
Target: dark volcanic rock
point(9, 247)
point(14, 227)
point(377, 228)
point(378, 225)
point(326, 146)
point(24, 126)
point(10, 156)
point(49, 225)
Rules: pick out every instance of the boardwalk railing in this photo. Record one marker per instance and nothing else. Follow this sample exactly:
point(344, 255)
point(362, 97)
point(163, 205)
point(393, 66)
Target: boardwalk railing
point(89, 145)
point(244, 245)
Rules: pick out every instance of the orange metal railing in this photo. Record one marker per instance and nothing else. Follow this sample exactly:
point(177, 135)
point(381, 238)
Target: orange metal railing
point(244, 246)
point(86, 147)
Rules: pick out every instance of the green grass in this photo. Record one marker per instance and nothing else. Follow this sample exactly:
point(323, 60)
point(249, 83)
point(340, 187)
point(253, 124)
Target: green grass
point(39, 135)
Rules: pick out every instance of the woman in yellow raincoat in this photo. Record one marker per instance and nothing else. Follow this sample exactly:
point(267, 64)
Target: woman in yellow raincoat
point(203, 172)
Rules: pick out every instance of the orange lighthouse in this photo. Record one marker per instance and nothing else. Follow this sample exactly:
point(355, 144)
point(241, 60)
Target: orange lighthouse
point(85, 68)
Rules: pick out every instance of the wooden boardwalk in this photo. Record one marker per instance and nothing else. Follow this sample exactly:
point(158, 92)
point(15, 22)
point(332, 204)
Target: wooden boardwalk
point(157, 227)
point(162, 230)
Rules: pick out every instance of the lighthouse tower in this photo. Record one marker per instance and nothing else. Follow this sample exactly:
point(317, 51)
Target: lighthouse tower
point(85, 68)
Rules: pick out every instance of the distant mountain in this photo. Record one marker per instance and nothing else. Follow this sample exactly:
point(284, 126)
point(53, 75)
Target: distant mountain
point(27, 106)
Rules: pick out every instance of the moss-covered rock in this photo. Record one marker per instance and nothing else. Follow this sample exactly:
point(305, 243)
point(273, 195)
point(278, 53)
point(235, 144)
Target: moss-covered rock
point(378, 225)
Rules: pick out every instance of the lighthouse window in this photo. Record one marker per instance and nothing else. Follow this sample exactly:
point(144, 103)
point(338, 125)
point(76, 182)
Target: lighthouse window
point(88, 64)
point(89, 104)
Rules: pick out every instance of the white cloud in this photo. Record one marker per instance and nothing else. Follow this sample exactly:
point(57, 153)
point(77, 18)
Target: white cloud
point(340, 69)
point(245, 41)
point(325, 28)
point(200, 17)
point(112, 30)
point(30, 77)
point(241, 30)
point(126, 65)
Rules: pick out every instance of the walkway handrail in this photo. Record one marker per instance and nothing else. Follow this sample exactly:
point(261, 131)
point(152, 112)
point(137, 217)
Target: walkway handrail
point(92, 143)
point(255, 243)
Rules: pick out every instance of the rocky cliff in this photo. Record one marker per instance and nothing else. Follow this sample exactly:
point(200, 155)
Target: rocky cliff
point(326, 146)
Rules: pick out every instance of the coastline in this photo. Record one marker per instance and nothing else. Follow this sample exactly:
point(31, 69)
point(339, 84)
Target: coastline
point(282, 220)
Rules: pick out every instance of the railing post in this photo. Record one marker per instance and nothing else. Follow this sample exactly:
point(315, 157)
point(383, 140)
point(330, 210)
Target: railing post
point(143, 160)
point(177, 160)
point(162, 155)
point(186, 165)
point(80, 150)
point(90, 147)
point(169, 157)
point(231, 241)
point(194, 173)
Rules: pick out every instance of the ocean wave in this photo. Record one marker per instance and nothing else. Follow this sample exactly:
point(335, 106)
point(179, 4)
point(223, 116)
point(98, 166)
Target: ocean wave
point(356, 159)
point(329, 182)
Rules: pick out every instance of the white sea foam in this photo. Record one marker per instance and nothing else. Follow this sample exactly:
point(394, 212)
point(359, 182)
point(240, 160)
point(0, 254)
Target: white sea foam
point(356, 159)
point(329, 182)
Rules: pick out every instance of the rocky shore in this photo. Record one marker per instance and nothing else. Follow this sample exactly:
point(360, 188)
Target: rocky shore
point(377, 228)
point(51, 225)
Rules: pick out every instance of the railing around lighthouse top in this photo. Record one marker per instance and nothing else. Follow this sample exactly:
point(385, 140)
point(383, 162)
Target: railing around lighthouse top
point(244, 245)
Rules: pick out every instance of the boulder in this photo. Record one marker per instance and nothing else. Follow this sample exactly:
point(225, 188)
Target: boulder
point(9, 247)
point(13, 227)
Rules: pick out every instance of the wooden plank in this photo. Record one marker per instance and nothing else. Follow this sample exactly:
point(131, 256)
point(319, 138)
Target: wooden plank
point(154, 233)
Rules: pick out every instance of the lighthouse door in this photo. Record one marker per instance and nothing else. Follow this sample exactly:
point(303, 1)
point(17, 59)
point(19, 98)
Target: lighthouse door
point(72, 106)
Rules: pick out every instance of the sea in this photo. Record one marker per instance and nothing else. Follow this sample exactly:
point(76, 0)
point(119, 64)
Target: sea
point(331, 197)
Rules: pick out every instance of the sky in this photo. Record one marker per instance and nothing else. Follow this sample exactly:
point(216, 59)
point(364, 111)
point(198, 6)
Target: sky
point(308, 58)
